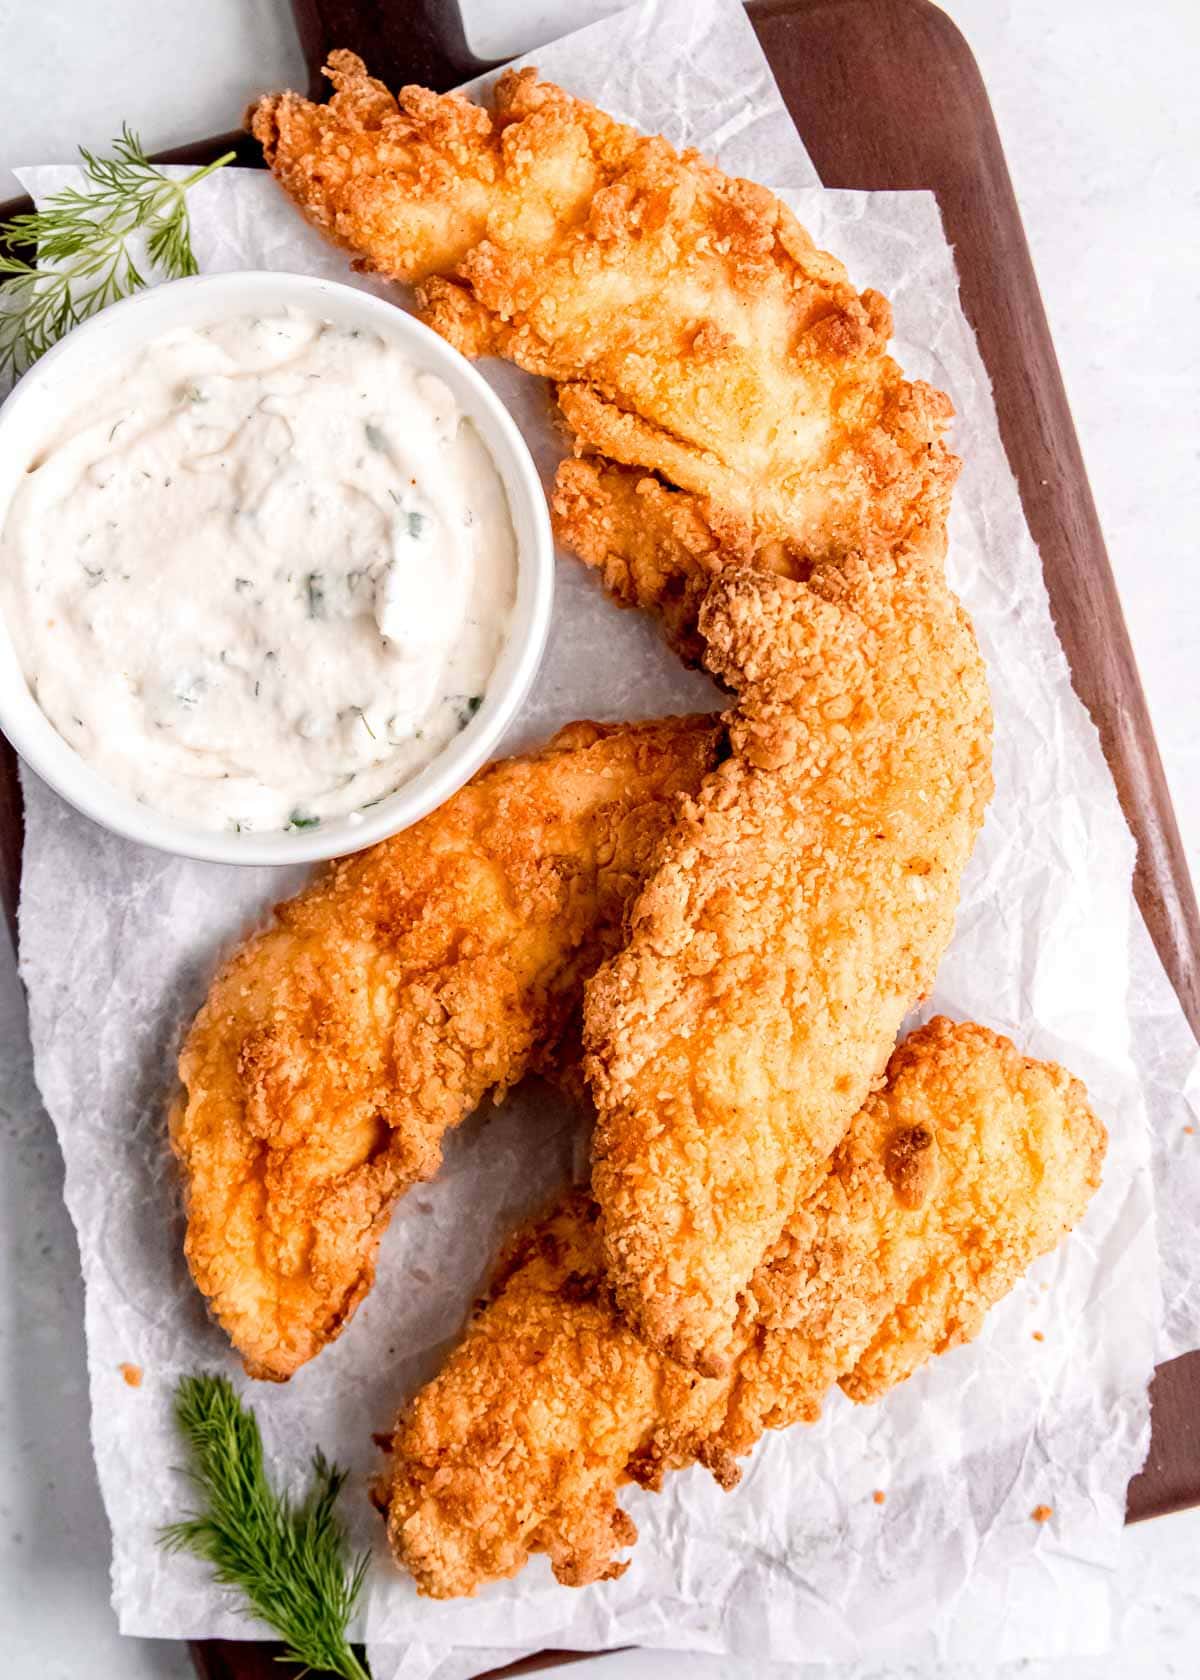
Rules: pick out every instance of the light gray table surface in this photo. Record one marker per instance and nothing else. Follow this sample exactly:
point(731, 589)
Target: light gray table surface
point(1098, 113)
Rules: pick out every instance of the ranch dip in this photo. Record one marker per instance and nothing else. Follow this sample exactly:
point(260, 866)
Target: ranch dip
point(263, 576)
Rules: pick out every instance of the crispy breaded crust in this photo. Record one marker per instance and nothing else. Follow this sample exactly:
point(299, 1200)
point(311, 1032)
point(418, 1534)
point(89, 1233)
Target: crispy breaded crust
point(691, 323)
point(659, 548)
point(411, 182)
point(784, 509)
point(340, 1044)
point(797, 909)
point(696, 331)
point(971, 1163)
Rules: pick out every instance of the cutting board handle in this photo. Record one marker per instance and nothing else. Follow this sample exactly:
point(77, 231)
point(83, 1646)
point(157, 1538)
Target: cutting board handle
point(421, 41)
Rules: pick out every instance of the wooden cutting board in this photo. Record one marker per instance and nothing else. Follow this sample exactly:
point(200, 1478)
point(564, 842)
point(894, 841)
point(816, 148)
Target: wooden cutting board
point(886, 95)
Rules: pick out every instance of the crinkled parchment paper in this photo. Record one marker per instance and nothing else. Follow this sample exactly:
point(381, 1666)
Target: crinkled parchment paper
point(118, 944)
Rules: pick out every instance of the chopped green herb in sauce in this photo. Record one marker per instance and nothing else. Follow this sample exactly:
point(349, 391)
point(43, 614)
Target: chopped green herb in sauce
point(314, 590)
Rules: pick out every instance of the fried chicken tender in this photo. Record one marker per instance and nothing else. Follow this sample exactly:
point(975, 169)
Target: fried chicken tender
point(411, 183)
point(340, 1044)
point(800, 905)
point(690, 322)
point(659, 548)
point(793, 489)
point(797, 910)
point(967, 1166)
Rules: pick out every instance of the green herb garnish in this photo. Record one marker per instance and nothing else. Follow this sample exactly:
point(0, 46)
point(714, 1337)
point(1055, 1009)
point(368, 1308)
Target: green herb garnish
point(287, 1560)
point(81, 236)
point(376, 438)
point(299, 819)
point(314, 589)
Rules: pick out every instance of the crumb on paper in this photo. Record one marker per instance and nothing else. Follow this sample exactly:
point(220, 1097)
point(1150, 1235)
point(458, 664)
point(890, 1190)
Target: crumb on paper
point(132, 1374)
point(1189, 1130)
point(1038, 1337)
point(1042, 1513)
point(879, 1496)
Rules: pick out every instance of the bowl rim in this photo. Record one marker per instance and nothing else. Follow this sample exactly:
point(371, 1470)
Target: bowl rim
point(56, 762)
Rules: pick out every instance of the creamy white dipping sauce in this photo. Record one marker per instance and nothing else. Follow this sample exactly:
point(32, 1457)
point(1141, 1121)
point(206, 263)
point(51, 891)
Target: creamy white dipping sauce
point(264, 575)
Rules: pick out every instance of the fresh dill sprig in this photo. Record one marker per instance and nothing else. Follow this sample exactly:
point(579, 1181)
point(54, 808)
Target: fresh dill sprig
point(83, 261)
point(287, 1560)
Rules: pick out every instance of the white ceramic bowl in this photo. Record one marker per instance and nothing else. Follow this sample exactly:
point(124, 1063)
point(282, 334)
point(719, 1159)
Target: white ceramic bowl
point(60, 382)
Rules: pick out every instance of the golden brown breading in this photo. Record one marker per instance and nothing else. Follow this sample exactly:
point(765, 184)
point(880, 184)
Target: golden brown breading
point(411, 183)
point(800, 904)
point(971, 1163)
point(690, 321)
point(656, 547)
point(797, 910)
point(339, 1045)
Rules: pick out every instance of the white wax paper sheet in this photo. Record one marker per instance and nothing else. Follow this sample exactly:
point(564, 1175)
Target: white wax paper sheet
point(118, 944)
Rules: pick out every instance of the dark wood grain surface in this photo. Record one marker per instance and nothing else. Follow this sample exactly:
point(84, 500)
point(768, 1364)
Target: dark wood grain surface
point(416, 41)
point(886, 95)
